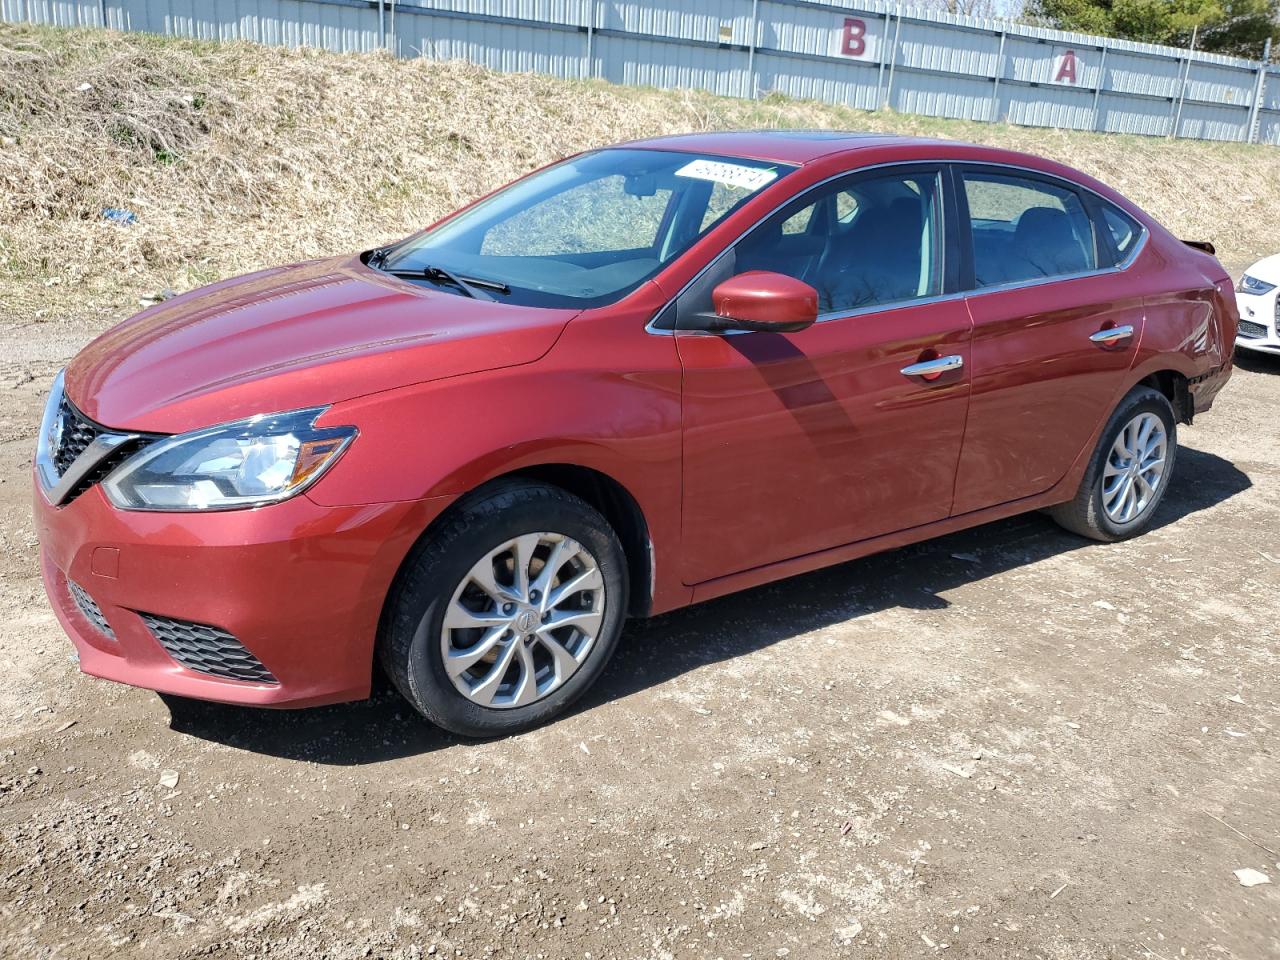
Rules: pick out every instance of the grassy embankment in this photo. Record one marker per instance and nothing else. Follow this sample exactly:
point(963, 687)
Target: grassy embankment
point(236, 156)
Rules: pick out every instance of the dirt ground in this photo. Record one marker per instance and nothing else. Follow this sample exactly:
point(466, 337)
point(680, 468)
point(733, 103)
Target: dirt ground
point(1005, 743)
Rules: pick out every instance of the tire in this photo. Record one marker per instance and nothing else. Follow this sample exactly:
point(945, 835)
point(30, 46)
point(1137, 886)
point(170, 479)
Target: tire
point(443, 575)
point(1087, 513)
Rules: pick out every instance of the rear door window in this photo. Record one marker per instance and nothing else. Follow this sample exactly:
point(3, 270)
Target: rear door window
point(1026, 229)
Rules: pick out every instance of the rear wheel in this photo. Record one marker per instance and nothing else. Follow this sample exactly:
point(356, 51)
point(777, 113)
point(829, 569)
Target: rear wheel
point(507, 612)
point(1128, 473)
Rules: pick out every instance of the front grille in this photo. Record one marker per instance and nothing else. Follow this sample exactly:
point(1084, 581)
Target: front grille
point(89, 608)
point(207, 649)
point(77, 432)
point(1252, 330)
point(100, 472)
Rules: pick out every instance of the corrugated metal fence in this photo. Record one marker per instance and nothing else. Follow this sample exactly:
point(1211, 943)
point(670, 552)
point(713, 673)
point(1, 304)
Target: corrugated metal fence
point(868, 55)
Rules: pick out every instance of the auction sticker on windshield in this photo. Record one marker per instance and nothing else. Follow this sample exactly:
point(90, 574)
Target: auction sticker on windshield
point(730, 174)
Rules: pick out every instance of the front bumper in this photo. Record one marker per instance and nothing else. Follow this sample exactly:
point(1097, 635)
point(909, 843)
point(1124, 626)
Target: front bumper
point(1259, 322)
point(298, 585)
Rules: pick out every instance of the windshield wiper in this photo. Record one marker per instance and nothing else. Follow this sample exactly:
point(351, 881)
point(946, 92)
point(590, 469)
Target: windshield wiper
point(474, 287)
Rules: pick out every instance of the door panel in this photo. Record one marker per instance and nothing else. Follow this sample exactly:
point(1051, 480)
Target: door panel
point(1045, 371)
point(1040, 384)
point(794, 443)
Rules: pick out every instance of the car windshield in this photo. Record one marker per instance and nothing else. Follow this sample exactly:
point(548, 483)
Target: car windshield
point(583, 233)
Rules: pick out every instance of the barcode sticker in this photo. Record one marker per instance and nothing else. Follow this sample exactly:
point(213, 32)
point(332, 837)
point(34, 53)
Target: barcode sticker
point(730, 174)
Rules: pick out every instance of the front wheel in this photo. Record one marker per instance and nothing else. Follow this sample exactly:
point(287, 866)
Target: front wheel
point(507, 612)
point(1128, 473)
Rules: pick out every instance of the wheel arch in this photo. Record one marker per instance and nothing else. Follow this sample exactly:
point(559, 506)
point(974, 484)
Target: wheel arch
point(1176, 387)
point(606, 494)
point(1160, 374)
point(617, 505)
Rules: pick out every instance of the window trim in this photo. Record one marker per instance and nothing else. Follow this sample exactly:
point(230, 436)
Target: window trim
point(1088, 199)
point(949, 268)
point(957, 244)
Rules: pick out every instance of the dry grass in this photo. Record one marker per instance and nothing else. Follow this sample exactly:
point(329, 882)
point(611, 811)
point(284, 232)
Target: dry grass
point(236, 156)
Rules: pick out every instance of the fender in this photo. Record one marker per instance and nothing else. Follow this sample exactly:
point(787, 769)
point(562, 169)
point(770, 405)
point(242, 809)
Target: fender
point(445, 438)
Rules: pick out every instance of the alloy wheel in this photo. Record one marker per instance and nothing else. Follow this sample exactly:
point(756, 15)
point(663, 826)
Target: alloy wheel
point(1135, 468)
point(523, 620)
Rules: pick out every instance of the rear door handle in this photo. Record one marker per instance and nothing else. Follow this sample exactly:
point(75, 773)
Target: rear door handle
point(1112, 334)
point(929, 369)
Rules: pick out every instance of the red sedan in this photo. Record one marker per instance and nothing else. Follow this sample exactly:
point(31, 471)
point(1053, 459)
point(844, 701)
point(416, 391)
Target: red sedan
point(634, 380)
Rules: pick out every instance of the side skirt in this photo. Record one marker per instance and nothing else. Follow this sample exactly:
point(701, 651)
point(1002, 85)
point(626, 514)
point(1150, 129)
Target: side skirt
point(710, 589)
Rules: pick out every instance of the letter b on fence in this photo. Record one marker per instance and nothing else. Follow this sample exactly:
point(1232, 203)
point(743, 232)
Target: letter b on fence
point(853, 35)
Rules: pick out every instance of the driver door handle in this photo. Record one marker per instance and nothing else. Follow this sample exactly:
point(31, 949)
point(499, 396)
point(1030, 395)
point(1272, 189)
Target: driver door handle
point(1112, 334)
point(932, 368)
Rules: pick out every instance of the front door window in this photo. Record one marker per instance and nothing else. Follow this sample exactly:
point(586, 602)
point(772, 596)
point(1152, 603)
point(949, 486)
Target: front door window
point(860, 243)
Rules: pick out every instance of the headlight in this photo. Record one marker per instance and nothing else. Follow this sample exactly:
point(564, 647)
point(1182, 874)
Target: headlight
point(50, 438)
point(247, 463)
point(1254, 286)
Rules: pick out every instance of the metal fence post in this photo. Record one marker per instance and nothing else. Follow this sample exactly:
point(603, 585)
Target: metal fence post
point(995, 86)
point(395, 47)
point(588, 65)
point(1259, 88)
point(1186, 75)
point(102, 13)
point(753, 88)
point(1182, 96)
point(382, 24)
point(884, 56)
point(1097, 87)
point(893, 58)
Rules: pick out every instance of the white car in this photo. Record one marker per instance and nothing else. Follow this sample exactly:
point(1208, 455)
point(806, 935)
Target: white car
point(1258, 297)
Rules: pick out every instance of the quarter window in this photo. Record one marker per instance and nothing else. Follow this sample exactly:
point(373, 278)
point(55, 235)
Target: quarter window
point(1124, 231)
point(1026, 229)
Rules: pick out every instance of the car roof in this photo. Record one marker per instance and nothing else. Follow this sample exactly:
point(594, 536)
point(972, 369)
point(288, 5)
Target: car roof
point(801, 147)
point(780, 146)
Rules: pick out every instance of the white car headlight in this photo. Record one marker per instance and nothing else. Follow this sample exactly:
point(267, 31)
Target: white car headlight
point(1254, 286)
point(247, 463)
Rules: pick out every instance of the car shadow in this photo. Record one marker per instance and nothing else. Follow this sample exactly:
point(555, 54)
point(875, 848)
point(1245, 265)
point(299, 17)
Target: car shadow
point(1257, 362)
point(653, 651)
point(383, 727)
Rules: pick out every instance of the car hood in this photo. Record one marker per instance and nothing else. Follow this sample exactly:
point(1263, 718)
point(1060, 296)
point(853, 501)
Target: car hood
point(1267, 269)
point(299, 336)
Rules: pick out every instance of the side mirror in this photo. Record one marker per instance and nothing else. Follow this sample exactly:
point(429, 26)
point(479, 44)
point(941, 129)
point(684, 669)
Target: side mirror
point(764, 301)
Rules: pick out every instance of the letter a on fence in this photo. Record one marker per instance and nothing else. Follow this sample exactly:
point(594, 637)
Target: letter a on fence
point(1065, 72)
